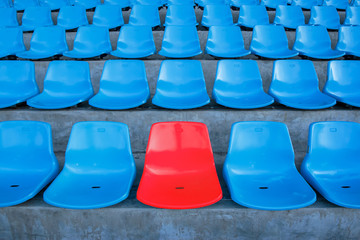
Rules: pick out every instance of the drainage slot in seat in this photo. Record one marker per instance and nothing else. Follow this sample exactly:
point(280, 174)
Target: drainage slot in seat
point(345, 186)
point(96, 187)
point(179, 188)
point(263, 188)
point(14, 185)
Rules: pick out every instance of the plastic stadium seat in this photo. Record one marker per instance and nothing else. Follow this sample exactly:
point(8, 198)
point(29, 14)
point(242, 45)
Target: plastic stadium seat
point(6, 4)
point(295, 84)
point(179, 170)
point(203, 3)
point(273, 3)
point(66, 84)
point(226, 42)
point(157, 3)
point(180, 15)
point(135, 42)
point(289, 16)
point(270, 41)
point(54, 4)
point(321, 48)
point(21, 5)
point(120, 3)
point(343, 83)
point(238, 85)
point(352, 16)
point(306, 4)
point(181, 85)
point(28, 162)
point(90, 41)
point(180, 2)
point(260, 170)
point(46, 42)
point(99, 167)
point(326, 16)
point(252, 15)
point(36, 17)
point(355, 3)
point(217, 15)
point(349, 40)
point(180, 42)
point(331, 165)
point(71, 17)
point(8, 17)
point(240, 3)
point(11, 41)
point(339, 4)
point(123, 85)
point(17, 82)
point(144, 15)
point(109, 16)
point(88, 4)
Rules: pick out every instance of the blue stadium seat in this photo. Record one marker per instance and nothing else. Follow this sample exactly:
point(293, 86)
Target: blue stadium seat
point(123, 85)
point(289, 16)
point(180, 42)
point(321, 48)
point(120, 3)
point(54, 4)
point(180, 15)
point(8, 17)
point(306, 4)
point(203, 3)
point(88, 4)
point(339, 4)
point(238, 85)
point(71, 17)
point(135, 42)
point(226, 42)
point(99, 167)
point(349, 40)
point(144, 15)
point(17, 82)
point(295, 84)
point(273, 3)
point(240, 3)
point(109, 16)
point(270, 41)
point(331, 165)
point(66, 84)
point(260, 170)
point(252, 15)
point(6, 4)
point(180, 2)
point(46, 42)
point(217, 15)
point(90, 41)
point(355, 3)
point(326, 16)
point(11, 41)
point(343, 82)
point(28, 162)
point(352, 16)
point(36, 17)
point(181, 85)
point(157, 3)
point(21, 5)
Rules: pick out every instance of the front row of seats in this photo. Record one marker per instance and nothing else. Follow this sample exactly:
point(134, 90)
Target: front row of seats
point(179, 170)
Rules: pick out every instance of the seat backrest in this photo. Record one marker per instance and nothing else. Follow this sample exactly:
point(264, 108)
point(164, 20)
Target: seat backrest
point(49, 39)
point(54, 4)
point(11, 40)
point(22, 4)
point(273, 3)
point(37, 16)
point(92, 36)
point(225, 37)
point(108, 16)
point(289, 14)
point(157, 3)
point(240, 3)
point(348, 39)
point(70, 14)
point(5, 3)
point(87, 3)
point(340, 4)
point(352, 16)
point(8, 17)
point(180, 15)
point(144, 15)
point(180, 2)
point(180, 37)
point(253, 15)
point(324, 15)
point(268, 37)
point(134, 36)
point(304, 3)
point(121, 3)
point(305, 36)
point(215, 15)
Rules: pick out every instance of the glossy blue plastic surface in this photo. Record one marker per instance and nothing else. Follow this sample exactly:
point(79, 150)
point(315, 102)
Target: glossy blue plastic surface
point(349, 40)
point(8, 17)
point(295, 84)
point(226, 42)
point(5, 4)
point(109, 16)
point(99, 167)
point(326, 16)
point(71, 17)
point(260, 171)
point(321, 48)
point(36, 17)
point(120, 3)
point(339, 4)
point(142, 15)
point(240, 3)
point(46, 42)
point(66, 84)
point(181, 85)
point(203, 3)
point(123, 85)
point(17, 82)
point(252, 15)
point(54, 4)
point(90, 41)
point(352, 16)
point(217, 15)
point(355, 3)
point(135, 42)
point(11, 41)
point(273, 3)
point(289, 16)
point(28, 162)
point(20, 5)
point(180, 42)
point(270, 41)
point(238, 85)
point(306, 4)
point(88, 4)
point(180, 2)
point(158, 3)
point(343, 82)
point(180, 15)
point(331, 165)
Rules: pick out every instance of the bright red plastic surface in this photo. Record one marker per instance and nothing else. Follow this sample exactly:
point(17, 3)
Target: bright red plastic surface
point(179, 171)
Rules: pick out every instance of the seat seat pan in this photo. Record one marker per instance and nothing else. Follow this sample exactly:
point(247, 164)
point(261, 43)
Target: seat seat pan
point(183, 102)
point(31, 54)
point(180, 53)
point(276, 53)
point(316, 100)
point(249, 101)
point(330, 54)
point(82, 54)
point(103, 101)
point(130, 53)
point(353, 101)
point(46, 101)
point(230, 53)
